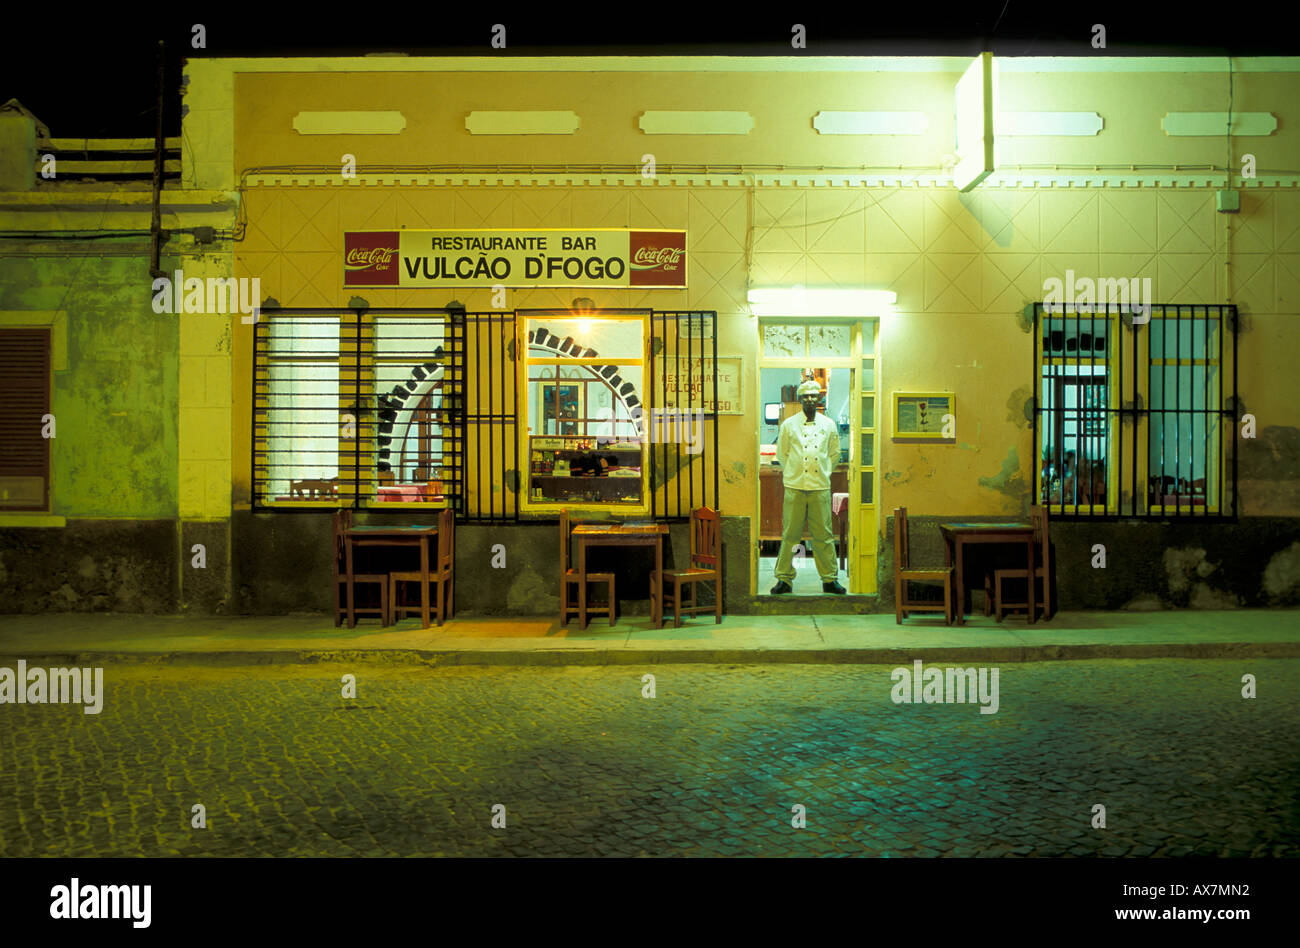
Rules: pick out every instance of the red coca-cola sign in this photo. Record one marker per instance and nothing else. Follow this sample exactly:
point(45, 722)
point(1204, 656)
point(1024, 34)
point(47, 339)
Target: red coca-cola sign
point(657, 258)
point(370, 258)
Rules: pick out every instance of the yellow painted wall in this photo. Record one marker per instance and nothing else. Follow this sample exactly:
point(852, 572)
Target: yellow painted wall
point(782, 103)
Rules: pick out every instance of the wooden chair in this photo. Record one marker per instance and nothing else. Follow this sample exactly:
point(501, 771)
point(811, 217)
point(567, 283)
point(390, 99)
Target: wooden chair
point(570, 577)
point(342, 523)
point(314, 489)
point(904, 574)
point(705, 566)
point(440, 574)
point(1042, 571)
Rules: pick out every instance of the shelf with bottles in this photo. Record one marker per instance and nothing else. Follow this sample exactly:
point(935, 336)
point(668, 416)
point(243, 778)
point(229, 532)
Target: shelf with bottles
point(583, 469)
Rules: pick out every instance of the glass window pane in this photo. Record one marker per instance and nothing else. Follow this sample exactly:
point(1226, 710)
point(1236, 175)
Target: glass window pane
point(868, 375)
point(868, 411)
point(303, 437)
point(784, 341)
point(604, 402)
point(585, 423)
point(868, 453)
point(559, 337)
point(834, 340)
point(413, 434)
point(303, 336)
point(867, 496)
point(1074, 465)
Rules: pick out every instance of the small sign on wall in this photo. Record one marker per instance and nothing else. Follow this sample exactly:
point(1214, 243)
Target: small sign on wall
point(701, 385)
point(925, 416)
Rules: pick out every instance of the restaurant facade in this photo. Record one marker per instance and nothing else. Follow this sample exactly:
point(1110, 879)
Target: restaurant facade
point(516, 287)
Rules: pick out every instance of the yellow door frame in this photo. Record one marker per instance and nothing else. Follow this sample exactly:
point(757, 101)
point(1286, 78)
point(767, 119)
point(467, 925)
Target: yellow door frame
point(857, 559)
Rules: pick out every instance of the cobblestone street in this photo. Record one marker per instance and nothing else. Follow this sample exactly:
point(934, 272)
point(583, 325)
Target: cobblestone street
point(584, 765)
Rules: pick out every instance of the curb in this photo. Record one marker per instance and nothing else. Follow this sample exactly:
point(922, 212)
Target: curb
point(661, 656)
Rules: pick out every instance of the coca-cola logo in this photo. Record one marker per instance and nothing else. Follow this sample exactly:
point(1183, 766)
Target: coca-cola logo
point(658, 258)
point(381, 258)
point(370, 258)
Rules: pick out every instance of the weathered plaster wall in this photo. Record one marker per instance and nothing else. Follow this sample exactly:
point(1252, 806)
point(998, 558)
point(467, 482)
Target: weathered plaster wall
point(91, 566)
point(141, 403)
point(114, 451)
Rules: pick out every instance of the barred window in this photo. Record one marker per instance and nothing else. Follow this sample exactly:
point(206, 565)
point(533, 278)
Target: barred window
point(1135, 419)
point(420, 408)
point(356, 408)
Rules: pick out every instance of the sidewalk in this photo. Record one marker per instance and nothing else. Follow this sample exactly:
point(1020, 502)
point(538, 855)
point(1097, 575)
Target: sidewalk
point(235, 640)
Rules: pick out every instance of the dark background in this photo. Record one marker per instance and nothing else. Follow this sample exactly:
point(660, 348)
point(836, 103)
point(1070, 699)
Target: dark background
point(93, 74)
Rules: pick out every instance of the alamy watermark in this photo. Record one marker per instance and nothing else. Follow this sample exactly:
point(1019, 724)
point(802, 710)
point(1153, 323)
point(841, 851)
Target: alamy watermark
point(668, 426)
point(180, 294)
point(1085, 295)
point(933, 686)
point(53, 686)
point(102, 901)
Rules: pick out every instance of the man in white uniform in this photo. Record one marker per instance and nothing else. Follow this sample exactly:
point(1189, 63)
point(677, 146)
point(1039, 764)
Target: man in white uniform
point(807, 448)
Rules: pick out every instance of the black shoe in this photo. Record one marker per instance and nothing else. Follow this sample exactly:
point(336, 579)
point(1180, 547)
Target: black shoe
point(833, 587)
point(781, 588)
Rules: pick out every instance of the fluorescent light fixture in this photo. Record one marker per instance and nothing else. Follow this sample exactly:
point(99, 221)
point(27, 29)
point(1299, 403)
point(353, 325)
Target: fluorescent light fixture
point(976, 103)
point(798, 301)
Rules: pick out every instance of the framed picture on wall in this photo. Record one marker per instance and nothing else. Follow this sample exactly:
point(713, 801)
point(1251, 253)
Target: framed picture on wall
point(925, 416)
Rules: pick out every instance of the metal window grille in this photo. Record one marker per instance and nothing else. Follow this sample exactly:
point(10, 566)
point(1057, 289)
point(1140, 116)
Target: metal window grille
point(362, 407)
point(490, 412)
point(683, 386)
point(1136, 420)
point(358, 407)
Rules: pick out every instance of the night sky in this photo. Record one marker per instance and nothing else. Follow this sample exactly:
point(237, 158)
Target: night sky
point(94, 74)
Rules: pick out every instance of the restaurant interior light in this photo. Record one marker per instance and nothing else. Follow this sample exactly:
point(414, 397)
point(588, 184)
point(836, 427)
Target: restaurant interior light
point(798, 301)
point(976, 100)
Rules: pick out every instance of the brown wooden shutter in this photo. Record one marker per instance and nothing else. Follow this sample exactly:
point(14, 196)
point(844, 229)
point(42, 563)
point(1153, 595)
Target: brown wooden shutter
point(24, 399)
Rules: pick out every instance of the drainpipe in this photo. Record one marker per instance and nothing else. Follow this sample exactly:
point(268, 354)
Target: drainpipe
point(155, 226)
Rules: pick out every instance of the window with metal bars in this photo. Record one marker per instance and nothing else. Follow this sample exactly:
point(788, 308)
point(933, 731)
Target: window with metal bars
point(1135, 419)
point(397, 408)
point(358, 407)
point(683, 392)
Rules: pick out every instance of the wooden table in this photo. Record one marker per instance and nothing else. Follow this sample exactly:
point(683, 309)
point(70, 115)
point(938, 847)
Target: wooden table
point(391, 537)
point(958, 535)
point(624, 534)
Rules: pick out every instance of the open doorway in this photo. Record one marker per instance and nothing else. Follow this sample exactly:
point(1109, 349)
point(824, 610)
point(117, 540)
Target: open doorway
point(779, 401)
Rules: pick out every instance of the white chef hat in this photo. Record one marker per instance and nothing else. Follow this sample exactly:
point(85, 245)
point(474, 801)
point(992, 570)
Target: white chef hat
point(809, 387)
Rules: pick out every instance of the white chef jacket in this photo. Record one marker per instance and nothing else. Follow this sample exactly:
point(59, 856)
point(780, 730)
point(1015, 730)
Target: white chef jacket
point(808, 451)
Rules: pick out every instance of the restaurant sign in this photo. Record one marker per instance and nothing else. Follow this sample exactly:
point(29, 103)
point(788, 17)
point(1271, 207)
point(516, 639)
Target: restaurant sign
point(701, 385)
point(596, 257)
